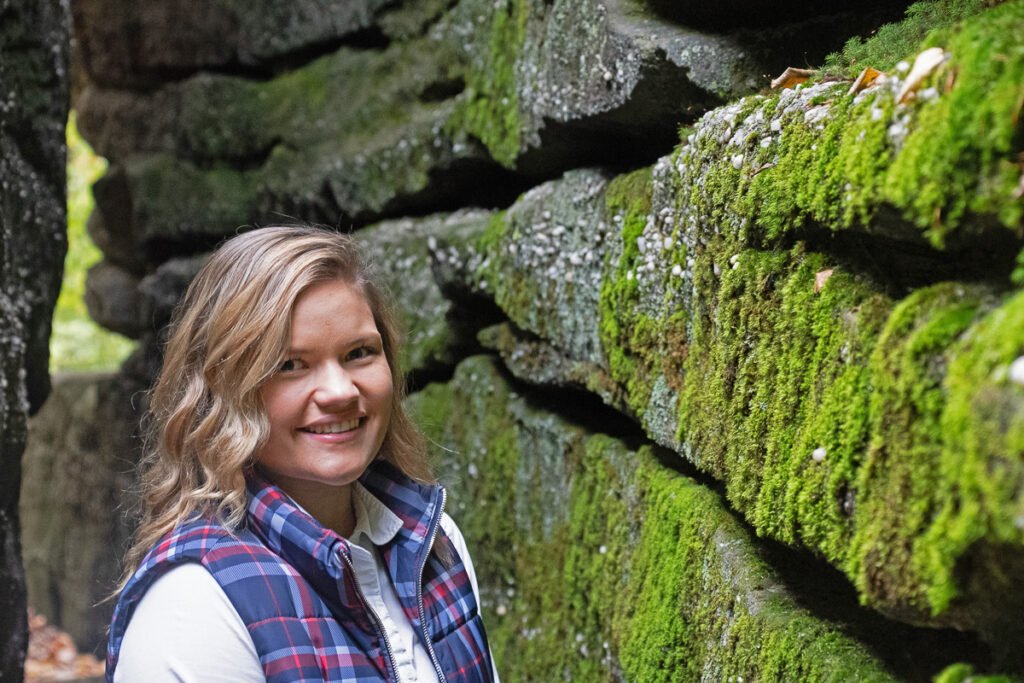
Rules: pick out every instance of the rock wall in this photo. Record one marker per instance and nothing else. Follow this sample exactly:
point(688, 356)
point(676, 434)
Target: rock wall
point(33, 111)
point(727, 382)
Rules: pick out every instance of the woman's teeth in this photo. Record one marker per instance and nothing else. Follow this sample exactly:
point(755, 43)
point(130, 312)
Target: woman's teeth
point(334, 428)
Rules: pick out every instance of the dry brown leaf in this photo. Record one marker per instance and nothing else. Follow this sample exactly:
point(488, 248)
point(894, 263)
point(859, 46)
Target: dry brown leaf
point(792, 76)
point(821, 277)
point(53, 656)
point(925, 63)
point(866, 78)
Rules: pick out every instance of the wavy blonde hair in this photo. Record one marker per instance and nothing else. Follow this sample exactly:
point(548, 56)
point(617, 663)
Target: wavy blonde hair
point(228, 335)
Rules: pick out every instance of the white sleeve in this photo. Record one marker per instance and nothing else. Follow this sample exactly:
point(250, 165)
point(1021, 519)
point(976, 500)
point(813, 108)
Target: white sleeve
point(451, 529)
point(186, 630)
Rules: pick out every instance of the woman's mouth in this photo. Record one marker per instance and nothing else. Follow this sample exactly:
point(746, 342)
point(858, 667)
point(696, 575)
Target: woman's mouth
point(332, 428)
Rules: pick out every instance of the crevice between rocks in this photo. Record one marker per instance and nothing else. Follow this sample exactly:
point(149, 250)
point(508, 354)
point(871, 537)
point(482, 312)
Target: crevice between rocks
point(370, 38)
point(913, 653)
point(898, 266)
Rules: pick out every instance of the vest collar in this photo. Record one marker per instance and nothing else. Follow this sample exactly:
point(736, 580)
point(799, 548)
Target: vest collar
point(404, 513)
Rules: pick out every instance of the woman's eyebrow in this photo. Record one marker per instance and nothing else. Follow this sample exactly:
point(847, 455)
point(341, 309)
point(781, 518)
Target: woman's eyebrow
point(365, 339)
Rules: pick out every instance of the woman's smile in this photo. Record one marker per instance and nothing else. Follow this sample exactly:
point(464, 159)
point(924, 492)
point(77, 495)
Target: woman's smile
point(331, 427)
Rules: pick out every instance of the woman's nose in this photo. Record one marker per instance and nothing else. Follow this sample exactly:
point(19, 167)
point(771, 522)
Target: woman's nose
point(334, 386)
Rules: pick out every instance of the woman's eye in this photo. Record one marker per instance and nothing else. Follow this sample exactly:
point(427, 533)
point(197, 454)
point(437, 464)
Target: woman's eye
point(361, 352)
point(289, 365)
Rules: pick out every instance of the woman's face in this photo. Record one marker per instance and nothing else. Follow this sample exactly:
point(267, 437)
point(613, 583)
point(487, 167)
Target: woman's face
point(329, 403)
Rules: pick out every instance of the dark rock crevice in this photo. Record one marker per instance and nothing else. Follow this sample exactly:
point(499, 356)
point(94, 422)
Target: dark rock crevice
point(721, 16)
point(913, 653)
point(900, 260)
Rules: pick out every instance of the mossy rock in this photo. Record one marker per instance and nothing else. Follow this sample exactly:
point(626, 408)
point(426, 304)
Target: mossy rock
point(437, 331)
point(864, 413)
point(596, 562)
point(475, 98)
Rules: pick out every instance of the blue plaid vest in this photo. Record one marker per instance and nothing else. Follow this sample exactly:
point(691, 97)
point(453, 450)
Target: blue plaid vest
point(291, 582)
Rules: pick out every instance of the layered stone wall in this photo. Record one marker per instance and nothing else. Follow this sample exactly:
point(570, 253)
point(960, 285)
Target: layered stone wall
point(33, 112)
point(726, 382)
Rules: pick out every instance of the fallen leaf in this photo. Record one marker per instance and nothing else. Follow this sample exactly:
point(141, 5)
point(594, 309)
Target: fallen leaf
point(792, 76)
point(866, 78)
point(821, 277)
point(925, 63)
point(53, 656)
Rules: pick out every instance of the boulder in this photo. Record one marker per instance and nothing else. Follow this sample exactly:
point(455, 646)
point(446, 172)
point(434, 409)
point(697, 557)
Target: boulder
point(112, 297)
point(33, 54)
point(596, 562)
point(78, 504)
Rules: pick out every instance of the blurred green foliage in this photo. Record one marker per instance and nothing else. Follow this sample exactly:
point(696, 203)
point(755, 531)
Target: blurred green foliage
point(78, 343)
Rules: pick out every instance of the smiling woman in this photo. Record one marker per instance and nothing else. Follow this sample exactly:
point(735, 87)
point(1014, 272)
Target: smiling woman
point(292, 528)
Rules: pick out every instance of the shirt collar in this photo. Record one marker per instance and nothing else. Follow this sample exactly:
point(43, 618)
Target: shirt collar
point(373, 518)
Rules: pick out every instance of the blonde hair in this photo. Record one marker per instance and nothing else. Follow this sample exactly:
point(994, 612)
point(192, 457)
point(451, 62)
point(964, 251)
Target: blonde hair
point(227, 337)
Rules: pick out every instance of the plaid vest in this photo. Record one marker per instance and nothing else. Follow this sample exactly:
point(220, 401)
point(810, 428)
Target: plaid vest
point(291, 582)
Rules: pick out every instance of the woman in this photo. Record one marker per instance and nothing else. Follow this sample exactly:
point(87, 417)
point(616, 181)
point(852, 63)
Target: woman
point(292, 530)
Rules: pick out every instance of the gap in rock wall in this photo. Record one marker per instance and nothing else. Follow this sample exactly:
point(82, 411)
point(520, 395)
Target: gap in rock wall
point(470, 313)
point(900, 266)
point(914, 653)
point(732, 13)
point(578, 408)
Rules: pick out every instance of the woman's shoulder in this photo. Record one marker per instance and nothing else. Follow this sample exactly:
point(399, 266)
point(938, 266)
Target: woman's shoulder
point(199, 540)
point(185, 629)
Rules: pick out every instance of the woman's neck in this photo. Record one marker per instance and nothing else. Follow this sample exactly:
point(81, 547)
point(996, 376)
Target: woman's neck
point(329, 505)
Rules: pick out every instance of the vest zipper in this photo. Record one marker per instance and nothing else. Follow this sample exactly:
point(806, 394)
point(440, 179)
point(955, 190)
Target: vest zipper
point(419, 590)
point(380, 627)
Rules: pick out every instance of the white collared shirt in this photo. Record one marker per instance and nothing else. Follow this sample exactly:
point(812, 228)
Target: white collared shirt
point(186, 630)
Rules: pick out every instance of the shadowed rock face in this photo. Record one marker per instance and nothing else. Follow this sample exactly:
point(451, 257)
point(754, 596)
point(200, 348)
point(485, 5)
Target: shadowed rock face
point(33, 54)
point(78, 474)
point(127, 44)
point(469, 98)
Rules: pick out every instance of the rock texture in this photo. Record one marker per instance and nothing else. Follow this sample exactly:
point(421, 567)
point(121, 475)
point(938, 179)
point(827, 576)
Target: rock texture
point(33, 58)
point(752, 392)
point(757, 328)
point(79, 471)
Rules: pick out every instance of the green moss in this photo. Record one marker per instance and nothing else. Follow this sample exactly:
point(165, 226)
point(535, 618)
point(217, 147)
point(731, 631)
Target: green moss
point(702, 606)
point(627, 335)
point(899, 479)
point(490, 107)
point(775, 372)
point(943, 161)
point(964, 673)
point(893, 42)
point(629, 572)
point(960, 157)
point(981, 468)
